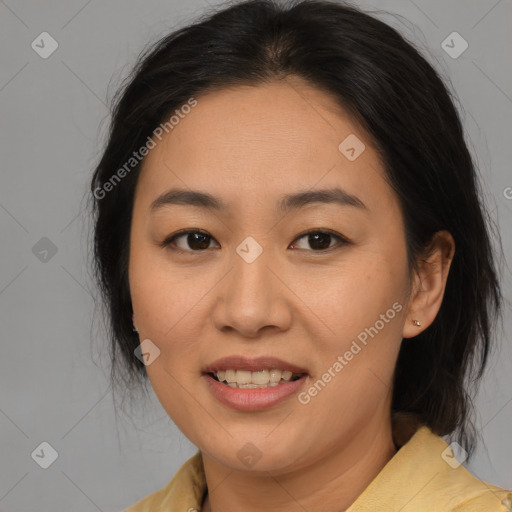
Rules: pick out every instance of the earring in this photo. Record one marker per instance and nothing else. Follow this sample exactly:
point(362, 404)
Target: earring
point(135, 329)
point(417, 323)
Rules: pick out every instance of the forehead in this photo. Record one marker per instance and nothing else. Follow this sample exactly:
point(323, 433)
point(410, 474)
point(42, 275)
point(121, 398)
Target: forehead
point(261, 140)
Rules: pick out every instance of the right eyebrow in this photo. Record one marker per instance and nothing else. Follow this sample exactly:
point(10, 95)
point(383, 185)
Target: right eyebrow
point(188, 197)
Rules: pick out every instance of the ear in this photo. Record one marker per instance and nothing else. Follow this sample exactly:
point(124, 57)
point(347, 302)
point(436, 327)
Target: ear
point(429, 283)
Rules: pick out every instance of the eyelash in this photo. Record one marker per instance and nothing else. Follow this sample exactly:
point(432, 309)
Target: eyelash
point(168, 242)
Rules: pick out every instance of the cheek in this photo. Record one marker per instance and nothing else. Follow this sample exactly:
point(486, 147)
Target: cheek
point(355, 295)
point(363, 306)
point(161, 294)
point(355, 367)
point(171, 309)
point(164, 308)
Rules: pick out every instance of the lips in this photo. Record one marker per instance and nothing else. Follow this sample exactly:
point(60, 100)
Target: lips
point(256, 396)
point(252, 364)
point(249, 399)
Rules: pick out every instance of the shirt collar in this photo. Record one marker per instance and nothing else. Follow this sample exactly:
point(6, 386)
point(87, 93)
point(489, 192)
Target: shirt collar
point(422, 476)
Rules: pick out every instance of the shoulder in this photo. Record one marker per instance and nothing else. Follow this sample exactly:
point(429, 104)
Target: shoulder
point(184, 492)
point(452, 485)
point(466, 493)
point(492, 499)
point(425, 476)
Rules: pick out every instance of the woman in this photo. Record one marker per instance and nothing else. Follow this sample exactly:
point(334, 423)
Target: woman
point(292, 249)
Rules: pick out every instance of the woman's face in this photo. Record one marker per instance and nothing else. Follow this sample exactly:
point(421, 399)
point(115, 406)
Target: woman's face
point(256, 285)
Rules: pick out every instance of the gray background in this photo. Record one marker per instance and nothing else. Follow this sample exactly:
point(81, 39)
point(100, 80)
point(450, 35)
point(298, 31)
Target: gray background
point(54, 383)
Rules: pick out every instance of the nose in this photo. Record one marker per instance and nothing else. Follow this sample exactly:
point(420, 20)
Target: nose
point(252, 299)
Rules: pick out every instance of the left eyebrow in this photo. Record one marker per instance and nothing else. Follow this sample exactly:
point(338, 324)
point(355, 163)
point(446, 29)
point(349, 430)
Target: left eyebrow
point(286, 203)
point(332, 195)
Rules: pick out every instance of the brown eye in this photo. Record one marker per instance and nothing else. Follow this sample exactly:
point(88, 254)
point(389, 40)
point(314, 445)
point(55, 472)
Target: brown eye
point(199, 241)
point(321, 240)
point(192, 241)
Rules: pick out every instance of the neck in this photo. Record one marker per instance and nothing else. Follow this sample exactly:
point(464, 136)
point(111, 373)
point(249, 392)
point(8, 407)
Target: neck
point(332, 482)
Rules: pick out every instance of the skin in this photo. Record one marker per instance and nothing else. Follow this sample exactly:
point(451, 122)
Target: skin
point(249, 146)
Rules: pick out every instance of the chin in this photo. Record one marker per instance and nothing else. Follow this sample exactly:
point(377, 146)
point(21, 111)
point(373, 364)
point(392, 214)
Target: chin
point(256, 454)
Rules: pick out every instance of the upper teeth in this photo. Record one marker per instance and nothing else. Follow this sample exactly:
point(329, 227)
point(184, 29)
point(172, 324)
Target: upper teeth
point(257, 377)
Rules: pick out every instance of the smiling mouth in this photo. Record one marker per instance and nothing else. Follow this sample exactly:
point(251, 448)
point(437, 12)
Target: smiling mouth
point(244, 379)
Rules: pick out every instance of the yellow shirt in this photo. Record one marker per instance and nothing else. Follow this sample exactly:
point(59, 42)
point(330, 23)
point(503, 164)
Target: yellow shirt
point(417, 479)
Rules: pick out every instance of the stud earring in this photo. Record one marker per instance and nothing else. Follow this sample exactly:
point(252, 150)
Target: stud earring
point(417, 323)
point(135, 329)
